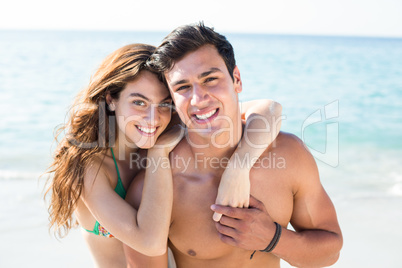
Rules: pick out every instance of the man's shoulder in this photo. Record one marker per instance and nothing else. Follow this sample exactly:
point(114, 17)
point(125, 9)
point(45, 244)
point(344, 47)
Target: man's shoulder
point(134, 192)
point(287, 143)
point(287, 151)
point(182, 149)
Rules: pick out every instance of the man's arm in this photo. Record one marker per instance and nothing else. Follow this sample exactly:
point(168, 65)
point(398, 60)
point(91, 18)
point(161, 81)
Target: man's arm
point(317, 238)
point(263, 122)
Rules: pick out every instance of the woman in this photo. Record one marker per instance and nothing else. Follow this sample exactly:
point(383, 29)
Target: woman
point(96, 162)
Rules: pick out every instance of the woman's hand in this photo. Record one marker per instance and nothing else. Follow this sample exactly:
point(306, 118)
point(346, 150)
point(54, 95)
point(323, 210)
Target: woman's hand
point(234, 188)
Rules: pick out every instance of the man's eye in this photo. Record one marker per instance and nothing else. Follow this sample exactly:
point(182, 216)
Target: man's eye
point(182, 88)
point(209, 79)
point(139, 102)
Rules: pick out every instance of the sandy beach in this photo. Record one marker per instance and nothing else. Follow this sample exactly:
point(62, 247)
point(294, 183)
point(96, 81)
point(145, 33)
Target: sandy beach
point(25, 239)
point(369, 241)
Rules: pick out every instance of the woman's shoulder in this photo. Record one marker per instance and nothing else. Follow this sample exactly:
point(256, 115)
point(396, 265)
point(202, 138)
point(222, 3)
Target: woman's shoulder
point(100, 167)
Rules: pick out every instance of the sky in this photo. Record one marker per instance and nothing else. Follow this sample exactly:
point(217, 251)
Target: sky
point(306, 17)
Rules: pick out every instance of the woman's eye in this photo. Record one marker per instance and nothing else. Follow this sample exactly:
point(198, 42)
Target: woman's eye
point(139, 102)
point(166, 105)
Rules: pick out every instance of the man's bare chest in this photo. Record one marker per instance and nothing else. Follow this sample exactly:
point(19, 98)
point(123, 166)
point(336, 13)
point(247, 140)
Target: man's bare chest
point(193, 232)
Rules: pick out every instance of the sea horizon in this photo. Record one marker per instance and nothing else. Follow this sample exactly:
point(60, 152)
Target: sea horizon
point(165, 32)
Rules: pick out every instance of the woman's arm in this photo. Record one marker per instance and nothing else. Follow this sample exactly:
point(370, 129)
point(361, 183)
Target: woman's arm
point(145, 230)
point(263, 122)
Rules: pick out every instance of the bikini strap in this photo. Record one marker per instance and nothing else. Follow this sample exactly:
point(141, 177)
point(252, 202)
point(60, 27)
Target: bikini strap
point(115, 163)
point(119, 189)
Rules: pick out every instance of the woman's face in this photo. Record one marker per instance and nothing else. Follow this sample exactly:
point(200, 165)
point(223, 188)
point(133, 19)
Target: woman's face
point(143, 111)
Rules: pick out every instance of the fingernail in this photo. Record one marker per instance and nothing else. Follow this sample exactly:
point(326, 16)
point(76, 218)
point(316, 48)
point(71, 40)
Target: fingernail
point(213, 207)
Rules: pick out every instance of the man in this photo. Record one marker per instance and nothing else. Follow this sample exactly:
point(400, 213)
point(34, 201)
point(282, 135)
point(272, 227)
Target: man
point(204, 82)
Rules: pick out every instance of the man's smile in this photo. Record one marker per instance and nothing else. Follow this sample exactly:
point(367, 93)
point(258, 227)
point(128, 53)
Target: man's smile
point(204, 117)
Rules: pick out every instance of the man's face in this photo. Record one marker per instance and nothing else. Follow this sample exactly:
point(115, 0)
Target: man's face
point(203, 91)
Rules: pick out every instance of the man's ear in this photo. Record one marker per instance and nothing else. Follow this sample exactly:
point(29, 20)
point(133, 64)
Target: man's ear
point(110, 103)
point(237, 80)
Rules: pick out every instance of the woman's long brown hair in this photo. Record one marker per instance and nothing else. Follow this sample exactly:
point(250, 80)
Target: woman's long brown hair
point(87, 132)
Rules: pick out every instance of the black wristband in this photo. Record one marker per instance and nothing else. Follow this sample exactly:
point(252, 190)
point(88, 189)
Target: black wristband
point(274, 240)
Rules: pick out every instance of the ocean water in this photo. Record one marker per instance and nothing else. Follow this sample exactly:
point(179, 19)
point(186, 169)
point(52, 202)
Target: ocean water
point(341, 95)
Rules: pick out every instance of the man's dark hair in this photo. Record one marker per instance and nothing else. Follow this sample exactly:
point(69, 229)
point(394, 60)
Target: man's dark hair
point(189, 38)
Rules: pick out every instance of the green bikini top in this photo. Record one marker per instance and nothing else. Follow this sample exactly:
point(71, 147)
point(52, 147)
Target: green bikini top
point(119, 189)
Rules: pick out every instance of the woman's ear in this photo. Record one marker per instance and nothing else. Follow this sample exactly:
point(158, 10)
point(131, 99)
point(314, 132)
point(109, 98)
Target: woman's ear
point(110, 102)
point(237, 80)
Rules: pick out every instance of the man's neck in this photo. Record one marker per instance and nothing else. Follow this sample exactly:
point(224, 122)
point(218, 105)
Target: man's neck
point(215, 145)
